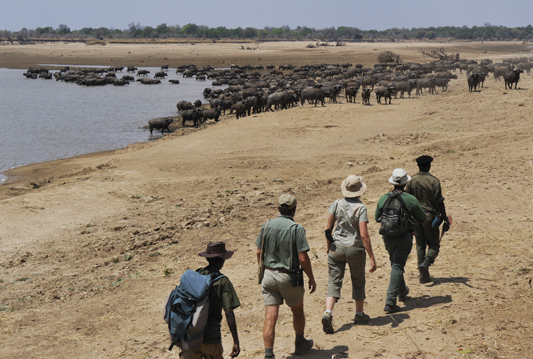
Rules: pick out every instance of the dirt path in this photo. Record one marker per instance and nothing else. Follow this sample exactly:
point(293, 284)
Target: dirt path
point(92, 247)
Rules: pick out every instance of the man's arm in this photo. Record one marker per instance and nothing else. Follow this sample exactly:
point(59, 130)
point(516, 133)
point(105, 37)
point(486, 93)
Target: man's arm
point(442, 210)
point(232, 324)
point(305, 262)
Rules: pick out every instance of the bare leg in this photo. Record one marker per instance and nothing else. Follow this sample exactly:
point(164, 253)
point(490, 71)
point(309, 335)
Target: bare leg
point(330, 303)
point(269, 329)
point(359, 304)
point(298, 318)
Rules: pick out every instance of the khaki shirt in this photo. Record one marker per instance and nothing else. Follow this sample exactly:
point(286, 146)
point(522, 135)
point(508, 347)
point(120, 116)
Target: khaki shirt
point(284, 239)
point(426, 188)
point(348, 212)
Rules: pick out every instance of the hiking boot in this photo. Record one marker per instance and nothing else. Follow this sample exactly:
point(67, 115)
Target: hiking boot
point(327, 325)
point(272, 357)
point(303, 346)
point(361, 319)
point(389, 308)
point(424, 275)
point(403, 298)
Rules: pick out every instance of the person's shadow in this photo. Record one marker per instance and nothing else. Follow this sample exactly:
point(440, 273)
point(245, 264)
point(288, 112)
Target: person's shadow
point(461, 280)
point(337, 352)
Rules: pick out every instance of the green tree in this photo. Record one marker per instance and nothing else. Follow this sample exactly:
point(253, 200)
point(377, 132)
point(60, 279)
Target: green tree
point(249, 33)
point(63, 30)
point(190, 29)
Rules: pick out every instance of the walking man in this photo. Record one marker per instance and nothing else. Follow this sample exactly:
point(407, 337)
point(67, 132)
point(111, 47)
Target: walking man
point(285, 249)
point(400, 244)
point(221, 297)
point(426, 188)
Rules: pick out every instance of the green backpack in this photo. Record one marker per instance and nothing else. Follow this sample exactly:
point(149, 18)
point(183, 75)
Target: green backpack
point(395, 219)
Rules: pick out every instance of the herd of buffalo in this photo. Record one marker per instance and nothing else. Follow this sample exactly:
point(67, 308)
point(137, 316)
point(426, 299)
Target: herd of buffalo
point(246, 89)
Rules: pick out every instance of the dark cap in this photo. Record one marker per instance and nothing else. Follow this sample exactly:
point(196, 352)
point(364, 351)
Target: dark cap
point(424, 160)
point(217, 249)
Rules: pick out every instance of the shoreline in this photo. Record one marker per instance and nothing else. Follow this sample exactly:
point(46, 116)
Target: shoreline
point(120, 226)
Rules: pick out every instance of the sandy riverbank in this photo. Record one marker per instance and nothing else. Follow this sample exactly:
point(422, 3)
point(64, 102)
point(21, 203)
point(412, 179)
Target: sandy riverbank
point(91, 245)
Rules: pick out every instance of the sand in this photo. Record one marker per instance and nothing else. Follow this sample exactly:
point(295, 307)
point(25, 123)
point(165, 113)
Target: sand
point(92, 245)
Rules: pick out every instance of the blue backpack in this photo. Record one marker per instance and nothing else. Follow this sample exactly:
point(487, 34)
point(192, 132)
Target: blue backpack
point(187, 309)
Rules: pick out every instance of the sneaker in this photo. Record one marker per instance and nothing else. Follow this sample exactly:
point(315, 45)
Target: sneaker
point(361, 319)
point(303, 346)
point(392, 308)
point(327, 325)
point(402, 298)
point(272, 357)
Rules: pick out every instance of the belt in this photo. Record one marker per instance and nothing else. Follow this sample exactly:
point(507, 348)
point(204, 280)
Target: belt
point(279, 270)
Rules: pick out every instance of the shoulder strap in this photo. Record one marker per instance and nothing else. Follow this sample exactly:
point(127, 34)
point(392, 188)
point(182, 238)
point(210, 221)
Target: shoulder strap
point(399, 195)
point(295, 259)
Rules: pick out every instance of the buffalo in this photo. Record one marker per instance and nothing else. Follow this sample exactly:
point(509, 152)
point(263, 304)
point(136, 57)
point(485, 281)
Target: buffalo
point(193, 115)
point(159, 124)
point(512, 77)
point(365, 96)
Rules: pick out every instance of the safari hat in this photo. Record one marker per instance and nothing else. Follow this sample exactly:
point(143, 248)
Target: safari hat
point(216, 249)
point(399, 177)
point(287, 201)
point(353, 186)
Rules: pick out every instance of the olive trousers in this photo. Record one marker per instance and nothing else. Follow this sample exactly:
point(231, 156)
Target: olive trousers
point(399, 249)
point(427, 239)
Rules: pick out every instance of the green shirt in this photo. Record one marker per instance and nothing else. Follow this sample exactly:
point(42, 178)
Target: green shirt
point(412, 204)
point(426, 188)
point(222, 296)
point(284, 239)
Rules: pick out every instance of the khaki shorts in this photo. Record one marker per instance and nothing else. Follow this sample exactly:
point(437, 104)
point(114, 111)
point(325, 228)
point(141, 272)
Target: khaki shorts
point(277, 287)
point(206, 351)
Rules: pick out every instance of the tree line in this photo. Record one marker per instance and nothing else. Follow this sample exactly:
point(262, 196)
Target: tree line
point(300, 33)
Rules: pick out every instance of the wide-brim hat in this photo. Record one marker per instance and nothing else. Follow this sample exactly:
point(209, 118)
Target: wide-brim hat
point(353, 186)
point(399, 177)
point(217, 249)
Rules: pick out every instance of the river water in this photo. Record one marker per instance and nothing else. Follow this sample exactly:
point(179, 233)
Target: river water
point(43, 120)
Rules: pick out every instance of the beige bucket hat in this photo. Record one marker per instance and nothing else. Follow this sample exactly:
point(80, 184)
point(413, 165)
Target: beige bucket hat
point(353, 186)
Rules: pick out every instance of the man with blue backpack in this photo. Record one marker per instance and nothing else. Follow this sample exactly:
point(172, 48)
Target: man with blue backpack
point(194, 308)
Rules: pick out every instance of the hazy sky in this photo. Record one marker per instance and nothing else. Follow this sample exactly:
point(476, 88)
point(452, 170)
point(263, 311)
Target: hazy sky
point(365, 15)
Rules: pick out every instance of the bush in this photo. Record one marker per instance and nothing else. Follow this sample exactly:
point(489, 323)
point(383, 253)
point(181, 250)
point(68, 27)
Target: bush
point(388, 56)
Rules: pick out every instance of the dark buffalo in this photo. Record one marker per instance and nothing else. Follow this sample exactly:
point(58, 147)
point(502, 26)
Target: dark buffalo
point(194, 115)
point(159, 124)
point(240, 109)
point(351, 92)
point(473, 82)
point(385, 92)
point(512, 77)
point(211, 114)
point(277, 99)
point(184, 105)
point(365, 96)
point(160, 75)
point(313, 94)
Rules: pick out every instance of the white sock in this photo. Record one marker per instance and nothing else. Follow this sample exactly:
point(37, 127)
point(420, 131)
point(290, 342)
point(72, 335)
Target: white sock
point(327, 311)
point(359, 313)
